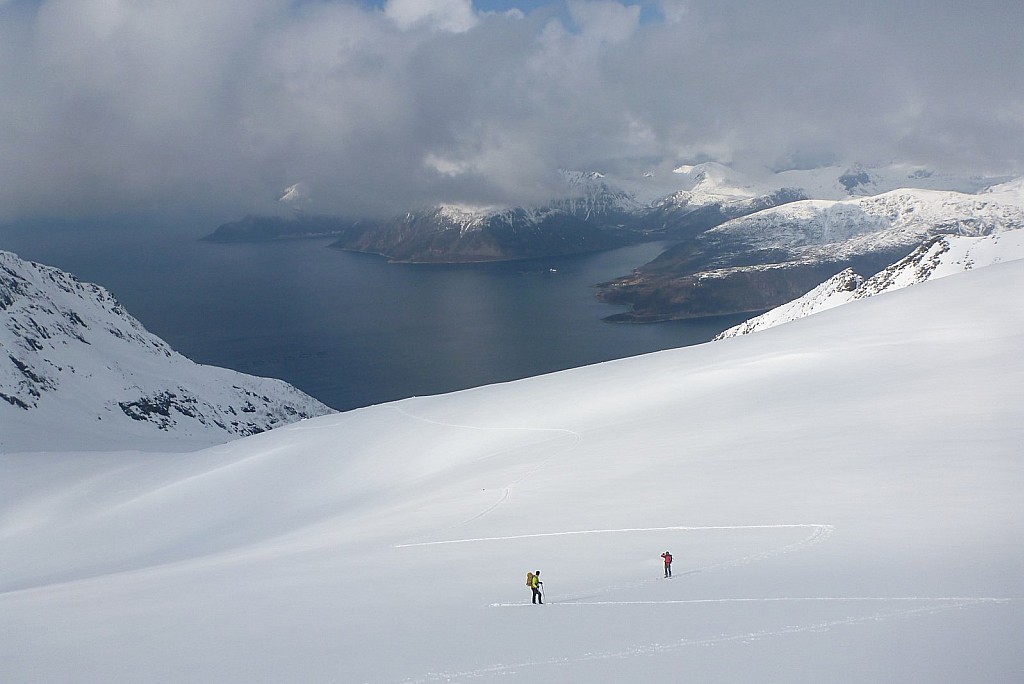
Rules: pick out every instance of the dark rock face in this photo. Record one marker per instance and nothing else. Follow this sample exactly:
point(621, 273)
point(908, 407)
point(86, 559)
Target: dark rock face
point(433, 238)
point(161, 409)
point(854, 178)
point(157, 408)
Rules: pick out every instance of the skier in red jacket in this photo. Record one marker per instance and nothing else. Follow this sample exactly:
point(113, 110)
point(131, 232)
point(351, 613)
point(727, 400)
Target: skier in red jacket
point(668, 563)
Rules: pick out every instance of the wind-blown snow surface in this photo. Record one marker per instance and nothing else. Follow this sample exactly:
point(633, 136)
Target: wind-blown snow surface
point(842, 497)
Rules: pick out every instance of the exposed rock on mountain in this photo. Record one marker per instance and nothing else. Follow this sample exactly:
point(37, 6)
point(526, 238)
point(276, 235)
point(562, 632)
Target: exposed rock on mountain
point(450, 234)
point(78, 372)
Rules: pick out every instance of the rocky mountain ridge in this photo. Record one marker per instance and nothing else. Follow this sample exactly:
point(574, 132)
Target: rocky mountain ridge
point(79, 372)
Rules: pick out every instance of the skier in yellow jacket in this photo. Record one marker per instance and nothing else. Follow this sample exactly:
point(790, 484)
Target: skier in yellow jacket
point(533, 581)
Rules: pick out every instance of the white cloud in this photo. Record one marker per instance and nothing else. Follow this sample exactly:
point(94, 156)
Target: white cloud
point(674, 11)
point(113, 105)
point(455, 16)
point(444, 166)
point(605, 20)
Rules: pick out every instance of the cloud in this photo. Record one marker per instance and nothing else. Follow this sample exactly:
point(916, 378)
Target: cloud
point(456, 16)
point(605, 20)
point(129, 105)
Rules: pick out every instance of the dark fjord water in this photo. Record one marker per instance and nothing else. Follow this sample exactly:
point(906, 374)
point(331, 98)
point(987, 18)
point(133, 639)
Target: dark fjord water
point(351, 329)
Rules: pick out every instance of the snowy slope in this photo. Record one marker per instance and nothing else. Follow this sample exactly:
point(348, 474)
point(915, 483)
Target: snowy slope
point(862, 225)
point(711, 182)
point(939, 257)
point(838, 289)
point(79, 372)
point(842, 497)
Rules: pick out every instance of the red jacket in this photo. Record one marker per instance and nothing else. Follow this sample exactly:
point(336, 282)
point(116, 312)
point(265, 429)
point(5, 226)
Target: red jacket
point(668, 558)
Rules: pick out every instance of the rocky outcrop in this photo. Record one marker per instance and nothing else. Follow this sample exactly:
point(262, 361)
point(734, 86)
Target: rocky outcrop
point(78, 370)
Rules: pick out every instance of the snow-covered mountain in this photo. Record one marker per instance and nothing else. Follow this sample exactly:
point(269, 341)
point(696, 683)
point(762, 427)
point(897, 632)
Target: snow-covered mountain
point(895, 219)
point(459, 234)
point(772, 256)
point(842, 496)
point(601, 210)
point(593, 211)
point(592, 197)
point(939, 257)
point(79, 372)
point(593, 216)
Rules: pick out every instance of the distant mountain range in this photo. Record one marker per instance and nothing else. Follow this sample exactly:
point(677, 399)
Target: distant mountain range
point(743, 243)
point(596, 212)
point(594, 217)
point(79, 373)
point(773, 256)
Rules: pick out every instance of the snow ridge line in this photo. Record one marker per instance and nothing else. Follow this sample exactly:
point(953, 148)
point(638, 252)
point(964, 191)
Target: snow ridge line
point(820, 533)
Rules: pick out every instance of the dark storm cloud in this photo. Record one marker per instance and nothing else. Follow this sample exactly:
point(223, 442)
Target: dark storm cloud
point(111, 105)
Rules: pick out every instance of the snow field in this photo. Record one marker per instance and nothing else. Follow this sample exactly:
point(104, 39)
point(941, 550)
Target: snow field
point(841, 496)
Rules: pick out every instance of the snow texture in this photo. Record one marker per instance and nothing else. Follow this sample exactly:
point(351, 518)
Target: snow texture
point(841, 495)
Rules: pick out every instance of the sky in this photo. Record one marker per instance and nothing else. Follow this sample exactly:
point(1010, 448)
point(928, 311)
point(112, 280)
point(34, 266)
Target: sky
point(111, 106)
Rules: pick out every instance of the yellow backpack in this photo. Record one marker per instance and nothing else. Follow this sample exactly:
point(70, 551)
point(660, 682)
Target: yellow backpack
point(529, 579)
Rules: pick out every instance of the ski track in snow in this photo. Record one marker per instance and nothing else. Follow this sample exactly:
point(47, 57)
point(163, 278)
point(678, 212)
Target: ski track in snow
point(818, 533)
point(938, 605)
